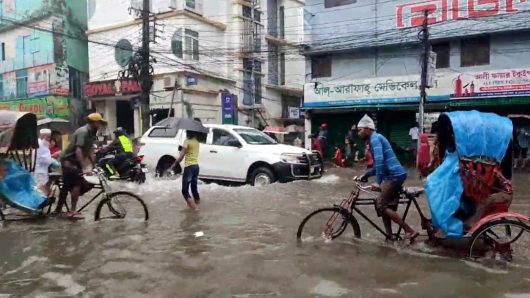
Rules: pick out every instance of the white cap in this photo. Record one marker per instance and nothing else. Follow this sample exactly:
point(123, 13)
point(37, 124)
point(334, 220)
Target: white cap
point(366, 122)
point(45, 131)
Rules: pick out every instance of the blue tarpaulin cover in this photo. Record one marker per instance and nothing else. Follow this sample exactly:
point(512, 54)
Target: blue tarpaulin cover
point(476, 134)
point(18, 188)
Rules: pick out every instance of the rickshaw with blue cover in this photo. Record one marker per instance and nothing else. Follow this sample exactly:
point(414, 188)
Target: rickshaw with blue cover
point(18, 146)
point(469, 194)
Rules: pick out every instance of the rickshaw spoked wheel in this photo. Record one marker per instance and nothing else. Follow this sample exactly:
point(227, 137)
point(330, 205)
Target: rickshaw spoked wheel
point(499, 237)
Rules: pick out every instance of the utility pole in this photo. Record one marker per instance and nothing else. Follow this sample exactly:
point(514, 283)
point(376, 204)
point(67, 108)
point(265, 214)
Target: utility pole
point(424, 38)
point(254, 44)
point(146, 79)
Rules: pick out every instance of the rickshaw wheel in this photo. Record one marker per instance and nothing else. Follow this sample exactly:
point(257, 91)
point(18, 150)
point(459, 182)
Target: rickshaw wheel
point(327, 223)
point(498, 238)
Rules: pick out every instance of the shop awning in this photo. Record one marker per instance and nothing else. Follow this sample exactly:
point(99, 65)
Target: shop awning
point(275, 130)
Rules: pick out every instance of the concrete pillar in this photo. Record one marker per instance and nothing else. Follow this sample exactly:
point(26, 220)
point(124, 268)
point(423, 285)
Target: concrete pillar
point(307, 132)
point(137, 123)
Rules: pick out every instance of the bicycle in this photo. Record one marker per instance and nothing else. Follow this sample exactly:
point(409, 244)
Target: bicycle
point(119, 204)
point(343, 214)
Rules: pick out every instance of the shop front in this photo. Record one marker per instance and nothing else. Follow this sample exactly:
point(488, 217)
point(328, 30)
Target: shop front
point(118, 102)
point(391, 101)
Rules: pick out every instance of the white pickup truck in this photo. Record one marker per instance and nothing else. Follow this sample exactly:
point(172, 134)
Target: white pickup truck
point(233, 153)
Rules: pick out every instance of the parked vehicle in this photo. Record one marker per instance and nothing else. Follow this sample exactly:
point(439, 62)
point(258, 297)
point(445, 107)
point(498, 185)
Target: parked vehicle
point(233, 153)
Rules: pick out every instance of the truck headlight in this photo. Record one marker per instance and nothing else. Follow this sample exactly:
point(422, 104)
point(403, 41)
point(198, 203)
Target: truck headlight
point(290, 158)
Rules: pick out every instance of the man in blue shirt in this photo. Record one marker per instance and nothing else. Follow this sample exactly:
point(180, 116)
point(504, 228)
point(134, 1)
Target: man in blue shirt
point(389, 177)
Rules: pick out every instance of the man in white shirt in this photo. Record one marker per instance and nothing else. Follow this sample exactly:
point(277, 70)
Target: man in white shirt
point(414, 134)
point(43, 162)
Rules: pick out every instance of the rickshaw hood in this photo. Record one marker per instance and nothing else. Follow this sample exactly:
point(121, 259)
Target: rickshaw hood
point(481, 134)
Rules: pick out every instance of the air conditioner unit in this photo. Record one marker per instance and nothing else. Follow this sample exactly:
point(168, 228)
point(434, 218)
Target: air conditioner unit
point(169, 82)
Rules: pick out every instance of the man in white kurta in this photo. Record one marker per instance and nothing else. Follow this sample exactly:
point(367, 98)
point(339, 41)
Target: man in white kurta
point(43, 162)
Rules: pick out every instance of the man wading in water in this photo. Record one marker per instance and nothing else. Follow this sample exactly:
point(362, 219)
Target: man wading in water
point(390, 176)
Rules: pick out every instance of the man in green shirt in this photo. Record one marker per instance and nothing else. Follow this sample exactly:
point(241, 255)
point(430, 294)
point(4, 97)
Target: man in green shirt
point(79, 155)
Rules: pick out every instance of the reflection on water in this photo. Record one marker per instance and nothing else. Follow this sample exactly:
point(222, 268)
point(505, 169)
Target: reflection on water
point(241, 244)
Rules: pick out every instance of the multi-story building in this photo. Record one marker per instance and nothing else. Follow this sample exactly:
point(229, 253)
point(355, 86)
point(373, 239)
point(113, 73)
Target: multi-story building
point(365, 58)
point(209, 62)
point(43, 57)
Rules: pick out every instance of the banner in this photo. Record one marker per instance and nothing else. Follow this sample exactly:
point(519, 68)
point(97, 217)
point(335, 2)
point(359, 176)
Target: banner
point(44, 107)
point(228, 108)
point(381, 90)
point(496, 83)
point(39, 80)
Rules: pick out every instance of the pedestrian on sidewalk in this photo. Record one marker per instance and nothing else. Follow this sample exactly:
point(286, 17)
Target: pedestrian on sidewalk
point(190, 176)
point(414, 134)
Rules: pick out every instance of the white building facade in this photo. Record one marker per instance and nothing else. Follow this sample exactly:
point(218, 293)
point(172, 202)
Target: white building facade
point(209, 59)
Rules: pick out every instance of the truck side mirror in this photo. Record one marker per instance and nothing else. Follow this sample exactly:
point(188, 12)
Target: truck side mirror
point(234, 143)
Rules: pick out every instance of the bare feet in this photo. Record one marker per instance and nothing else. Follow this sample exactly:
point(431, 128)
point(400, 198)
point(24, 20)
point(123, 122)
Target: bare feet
point(74, 215)
point(411, 236)
point(192, 205)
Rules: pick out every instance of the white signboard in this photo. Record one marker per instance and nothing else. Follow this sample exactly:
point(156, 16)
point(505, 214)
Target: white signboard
point(294, 113)
point(402, 89)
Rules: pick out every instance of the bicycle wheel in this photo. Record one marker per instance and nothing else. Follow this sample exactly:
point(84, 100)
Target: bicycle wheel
point(505, 239)
point(327, 224)
point(122, 205)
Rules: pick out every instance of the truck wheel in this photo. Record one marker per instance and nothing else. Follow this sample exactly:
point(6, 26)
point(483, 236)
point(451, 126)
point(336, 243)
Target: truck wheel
point(262, 176)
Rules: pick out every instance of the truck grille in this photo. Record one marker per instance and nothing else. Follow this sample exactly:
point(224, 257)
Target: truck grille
point(314, 158)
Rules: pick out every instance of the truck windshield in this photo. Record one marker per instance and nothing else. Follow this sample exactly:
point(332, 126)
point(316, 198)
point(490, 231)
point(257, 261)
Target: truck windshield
point(255, 137)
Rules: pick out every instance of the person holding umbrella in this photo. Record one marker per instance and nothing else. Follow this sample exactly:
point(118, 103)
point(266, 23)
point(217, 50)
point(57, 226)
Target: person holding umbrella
point(190, 155)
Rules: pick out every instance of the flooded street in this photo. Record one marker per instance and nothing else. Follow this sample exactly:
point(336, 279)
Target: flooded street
point(241, 244)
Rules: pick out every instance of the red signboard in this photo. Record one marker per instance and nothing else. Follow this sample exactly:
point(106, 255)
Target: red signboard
point(99, 89)
point(111, 88)
point(412, 14)
point(128, 87)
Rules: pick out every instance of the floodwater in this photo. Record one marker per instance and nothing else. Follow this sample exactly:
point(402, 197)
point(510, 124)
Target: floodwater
point(241, 244)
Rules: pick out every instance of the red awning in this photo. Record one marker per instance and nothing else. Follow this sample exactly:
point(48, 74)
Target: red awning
point(276, 130)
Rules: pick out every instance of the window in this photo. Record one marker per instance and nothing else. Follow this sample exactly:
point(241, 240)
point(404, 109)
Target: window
point(282, 69)
point(185, 45)
point(77, 81)
point(22, 83)
point(191, 41)
point(222, 137)
point(191, 4)
point(176, 43)
point(442, 51)
point(254, 137)
point(257, 87)
point(247, 12)
point(1, 87)
point(163, 132)
point(3, 52)
point(282, 22)
point(257, 15)
point(123, 52)
point(334, 3)
point(321, 66)
point(273, 64)
point(475, 51)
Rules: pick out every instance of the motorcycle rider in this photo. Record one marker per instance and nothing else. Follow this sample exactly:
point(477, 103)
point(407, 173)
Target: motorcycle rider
point(123, 147)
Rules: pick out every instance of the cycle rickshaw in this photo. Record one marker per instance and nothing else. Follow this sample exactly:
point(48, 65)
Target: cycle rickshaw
point(468, 195)
point(18, 146)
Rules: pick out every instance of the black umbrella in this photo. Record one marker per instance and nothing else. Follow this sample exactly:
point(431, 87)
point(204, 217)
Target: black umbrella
point(184, 124)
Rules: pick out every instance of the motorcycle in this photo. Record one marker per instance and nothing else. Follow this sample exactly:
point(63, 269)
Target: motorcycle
point(133, 171)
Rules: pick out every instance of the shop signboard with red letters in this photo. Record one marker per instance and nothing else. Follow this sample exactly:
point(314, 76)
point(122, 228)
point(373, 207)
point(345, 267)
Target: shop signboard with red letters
point(412, 14)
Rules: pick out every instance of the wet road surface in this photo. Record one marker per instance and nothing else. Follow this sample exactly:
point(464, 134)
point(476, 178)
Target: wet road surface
point(241, 244)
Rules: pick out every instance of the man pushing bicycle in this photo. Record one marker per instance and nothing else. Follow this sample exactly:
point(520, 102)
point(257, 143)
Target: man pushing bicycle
point(389, 177)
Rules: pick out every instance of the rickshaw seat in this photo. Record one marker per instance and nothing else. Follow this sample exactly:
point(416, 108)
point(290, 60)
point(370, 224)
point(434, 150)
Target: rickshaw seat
point(413, 191)
point(485, 187)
